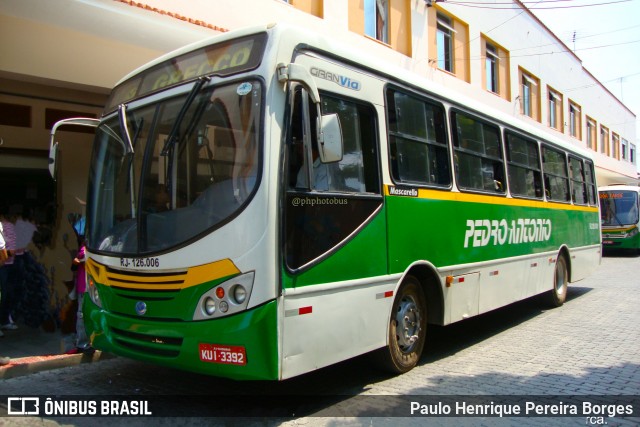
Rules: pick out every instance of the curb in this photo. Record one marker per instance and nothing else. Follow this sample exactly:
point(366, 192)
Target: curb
point(33, 364)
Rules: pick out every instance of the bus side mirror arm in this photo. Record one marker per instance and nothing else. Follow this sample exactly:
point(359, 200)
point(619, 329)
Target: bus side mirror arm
point(328, 127)
point(53, 145)
point(297, 73)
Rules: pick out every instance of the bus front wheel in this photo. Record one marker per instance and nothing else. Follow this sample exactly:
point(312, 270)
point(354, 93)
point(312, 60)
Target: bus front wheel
point(558, 295)
point(407, 328)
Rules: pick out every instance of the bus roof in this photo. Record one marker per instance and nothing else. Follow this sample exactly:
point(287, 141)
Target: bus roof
point(620, 187)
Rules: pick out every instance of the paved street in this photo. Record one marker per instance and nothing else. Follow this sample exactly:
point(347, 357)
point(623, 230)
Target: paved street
point(590, 346)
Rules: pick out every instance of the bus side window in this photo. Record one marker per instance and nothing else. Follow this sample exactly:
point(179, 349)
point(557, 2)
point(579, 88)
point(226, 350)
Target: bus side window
point(417, 140)
point(357, 172)
point(478, 156)
point(592, 192)
point(578, 186)
point(556, 178)
point(523, 166)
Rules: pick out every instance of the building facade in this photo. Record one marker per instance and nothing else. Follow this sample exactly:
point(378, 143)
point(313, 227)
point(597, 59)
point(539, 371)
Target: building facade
point(60, 58)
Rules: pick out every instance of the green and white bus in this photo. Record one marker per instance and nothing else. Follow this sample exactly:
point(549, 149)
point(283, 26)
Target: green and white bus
point(619, 207)
point(268, 202)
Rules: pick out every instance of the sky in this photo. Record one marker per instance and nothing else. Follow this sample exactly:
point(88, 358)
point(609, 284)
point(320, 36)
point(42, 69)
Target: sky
point(605, 34)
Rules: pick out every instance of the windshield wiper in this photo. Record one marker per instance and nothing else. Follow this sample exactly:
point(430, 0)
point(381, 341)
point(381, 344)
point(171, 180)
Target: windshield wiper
point(173, 135)
point(124, 130)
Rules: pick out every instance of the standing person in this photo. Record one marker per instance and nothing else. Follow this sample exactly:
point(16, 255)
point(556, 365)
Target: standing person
point(82, 341)
point(24, 230)
point(3, 246)
point(8, 274)
point(3, 360)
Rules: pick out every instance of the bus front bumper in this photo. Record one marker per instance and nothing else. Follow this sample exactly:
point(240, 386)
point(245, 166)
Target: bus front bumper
point(241, 346)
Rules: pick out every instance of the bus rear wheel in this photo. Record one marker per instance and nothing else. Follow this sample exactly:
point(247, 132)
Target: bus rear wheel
point(407, 328)
point(558, 295)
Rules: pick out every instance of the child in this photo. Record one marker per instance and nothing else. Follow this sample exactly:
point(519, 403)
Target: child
point(82, 341)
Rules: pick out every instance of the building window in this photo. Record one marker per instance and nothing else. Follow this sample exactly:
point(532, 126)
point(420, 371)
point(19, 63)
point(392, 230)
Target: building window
point(529, 95)
point(604, 141)
point(615, 142)
point(444, 41)
point(623, 152)
point(312, 7)
point(449, 45)
point(632, 153)
point(376, 19)
point(592, 143)
point(575, 120)
point(555, 110)
point(491, 68)
point(495, 73)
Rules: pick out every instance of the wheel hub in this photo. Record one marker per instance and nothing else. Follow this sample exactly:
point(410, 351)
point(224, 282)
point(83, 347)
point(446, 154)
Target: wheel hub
point(408, 324)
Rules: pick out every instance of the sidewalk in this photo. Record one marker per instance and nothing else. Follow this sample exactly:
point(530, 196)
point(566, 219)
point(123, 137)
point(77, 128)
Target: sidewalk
point(34, 350)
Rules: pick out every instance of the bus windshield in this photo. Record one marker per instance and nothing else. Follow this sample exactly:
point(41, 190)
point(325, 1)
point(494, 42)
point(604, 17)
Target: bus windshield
point(195, 165)
point(618, 208)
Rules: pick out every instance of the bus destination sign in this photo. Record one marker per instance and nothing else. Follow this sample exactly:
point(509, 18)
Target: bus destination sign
point(220, 59)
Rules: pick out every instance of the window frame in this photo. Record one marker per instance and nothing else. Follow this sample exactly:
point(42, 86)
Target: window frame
point(372, 16)
point(444, 42)
point(592, 188)
point(615, 144)
point(529, 94)
point(555, 102)
point(549, 147)
point(604, 140)
point(390, 92)
point(492, 68)
point(511, 163)
point(457, 149)
point(574, 182)
point(575, 120)
point(592, 134)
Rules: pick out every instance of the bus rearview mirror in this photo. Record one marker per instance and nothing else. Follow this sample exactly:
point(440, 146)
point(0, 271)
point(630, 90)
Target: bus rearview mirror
point(330, 139)
point(53, 153)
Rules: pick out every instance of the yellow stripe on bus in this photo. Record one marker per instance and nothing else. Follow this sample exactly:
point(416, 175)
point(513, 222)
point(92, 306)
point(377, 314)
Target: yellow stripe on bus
point(425, 193)
point(171, 281)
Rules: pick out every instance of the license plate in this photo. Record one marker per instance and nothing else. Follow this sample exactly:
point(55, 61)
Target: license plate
point(224, 354)
point(607, 242)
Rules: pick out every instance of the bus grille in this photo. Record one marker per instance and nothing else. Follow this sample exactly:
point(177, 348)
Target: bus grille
point(146, 281)
point(149, 344)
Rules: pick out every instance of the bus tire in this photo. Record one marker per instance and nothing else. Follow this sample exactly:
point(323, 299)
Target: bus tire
point(407, 328)
point(558, 294)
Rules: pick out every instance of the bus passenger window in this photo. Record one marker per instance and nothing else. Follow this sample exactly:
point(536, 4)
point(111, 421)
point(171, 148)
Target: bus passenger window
point(556, 178)
point(478, 156)
point(417, 141)
point(523, 166)
point(578, 184)
point(591, 183)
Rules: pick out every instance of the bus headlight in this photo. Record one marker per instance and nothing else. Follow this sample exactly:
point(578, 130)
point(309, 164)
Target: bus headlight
point(92, 290)
point(239, 294)
point(209, 306)
point(227, 298)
